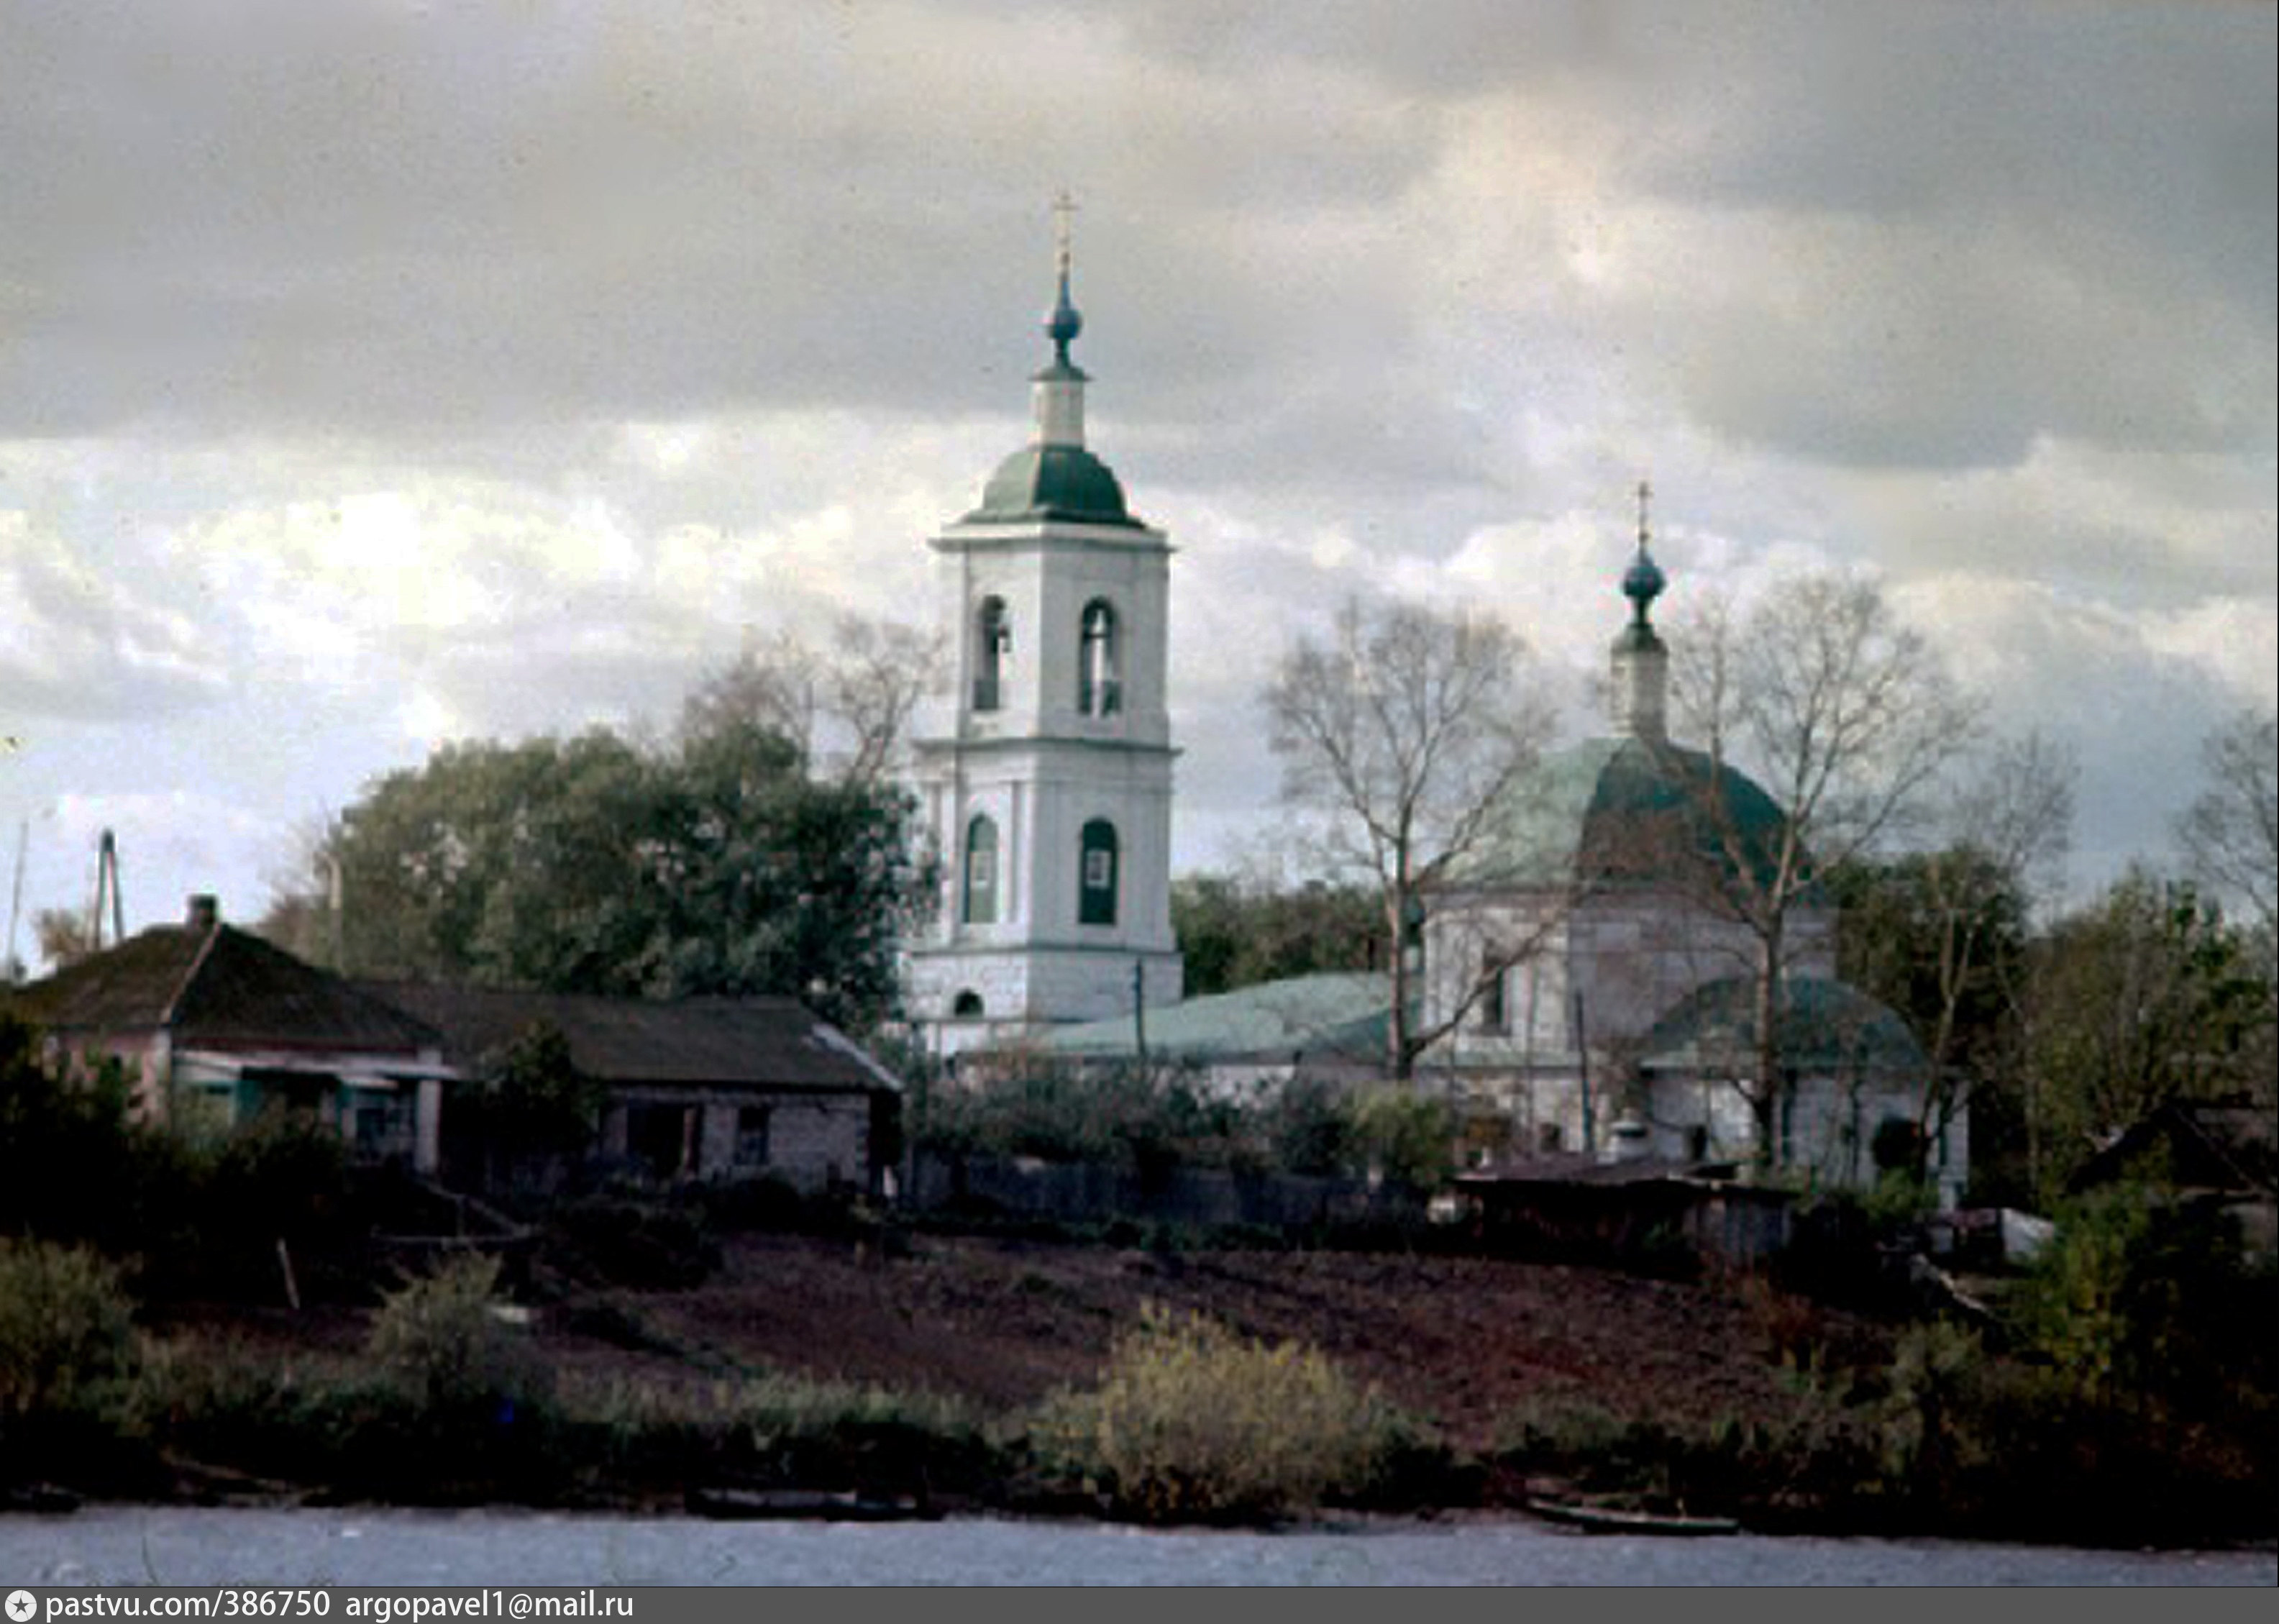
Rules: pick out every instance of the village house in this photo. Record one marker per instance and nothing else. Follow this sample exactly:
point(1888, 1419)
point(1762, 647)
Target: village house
point(696, 1088)
point(217, 1027)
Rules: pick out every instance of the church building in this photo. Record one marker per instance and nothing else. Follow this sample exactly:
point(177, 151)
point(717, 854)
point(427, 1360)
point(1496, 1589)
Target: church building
point(1045, 773)
point(1600, 965)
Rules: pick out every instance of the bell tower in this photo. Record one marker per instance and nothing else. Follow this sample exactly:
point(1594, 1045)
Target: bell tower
point(1045, 774)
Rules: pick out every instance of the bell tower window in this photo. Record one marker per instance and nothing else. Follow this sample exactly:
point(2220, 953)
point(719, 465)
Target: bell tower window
point(981, 900)
point(1096, 878)
point(1100, 691)
point(993, 641)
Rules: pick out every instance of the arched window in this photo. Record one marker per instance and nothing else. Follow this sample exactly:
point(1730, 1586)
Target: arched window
point(966, 1006)
point(1099, 689)
point(993, 641)
point(980, 872)
point(1096, 880)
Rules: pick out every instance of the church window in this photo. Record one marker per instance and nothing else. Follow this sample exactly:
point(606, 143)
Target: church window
point(992, 643)
point(1099, 689)
point(967, 1005)
point(1494, 1017)
point(1096, 892)
point(980, 872)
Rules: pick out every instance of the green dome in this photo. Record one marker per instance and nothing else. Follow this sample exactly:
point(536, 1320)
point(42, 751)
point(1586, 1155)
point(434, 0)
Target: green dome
point(1824, 1027)
point(1053, 481)
point(1627, 810)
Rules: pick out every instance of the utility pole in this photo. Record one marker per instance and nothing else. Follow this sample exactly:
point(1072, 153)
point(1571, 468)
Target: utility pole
point(16, 899)
point(106, 884)
point(1139, 1011)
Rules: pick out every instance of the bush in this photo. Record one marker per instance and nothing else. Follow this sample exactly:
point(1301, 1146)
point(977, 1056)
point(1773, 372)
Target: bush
point(638, 1240)
point(1192, 1422)
point(66, 1329)
point(443, 1341)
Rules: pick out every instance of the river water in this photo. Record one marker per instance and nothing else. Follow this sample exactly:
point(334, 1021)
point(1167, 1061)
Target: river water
point(195, 1546)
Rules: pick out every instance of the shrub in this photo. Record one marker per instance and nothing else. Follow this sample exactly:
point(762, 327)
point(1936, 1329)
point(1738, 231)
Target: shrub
point(1193, 1422)
point(66, 1329)
point(442, 1339)
point(638, 1240)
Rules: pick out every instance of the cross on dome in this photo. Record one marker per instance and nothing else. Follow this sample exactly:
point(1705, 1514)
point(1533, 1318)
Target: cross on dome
point(1064, 324)
point(1644, 580)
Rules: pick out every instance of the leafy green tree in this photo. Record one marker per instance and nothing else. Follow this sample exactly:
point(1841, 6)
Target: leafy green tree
point(1238, 931)
point(710, 865)
point(530, 1100)
point(2146, 996)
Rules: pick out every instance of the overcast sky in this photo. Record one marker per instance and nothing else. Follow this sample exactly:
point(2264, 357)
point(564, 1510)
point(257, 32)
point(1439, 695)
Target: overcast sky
point(375, 374)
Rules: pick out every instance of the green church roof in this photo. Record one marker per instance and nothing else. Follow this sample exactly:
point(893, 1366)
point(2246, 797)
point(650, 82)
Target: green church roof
point(1626, 809)
point(1053, 481)
point(1824, 1027)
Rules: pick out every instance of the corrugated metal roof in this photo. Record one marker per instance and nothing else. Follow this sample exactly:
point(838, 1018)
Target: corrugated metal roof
point(219, 988)
point(757, 1042)
point(1341, 1013)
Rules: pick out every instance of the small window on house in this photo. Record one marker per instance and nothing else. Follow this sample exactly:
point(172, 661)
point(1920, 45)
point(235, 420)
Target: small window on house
point(1096, 888)
point(752, 1137)
point(992, 643)
point(1099, 687)
point(980, 904)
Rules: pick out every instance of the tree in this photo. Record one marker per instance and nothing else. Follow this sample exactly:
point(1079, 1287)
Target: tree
point(849, 702)
point(1239, 929)
point(1847, 718)
point(1941, 934)
point(2230, 833)
point(1399, 736)
point(2143, 998)
point(65, 935)
point(590, 864)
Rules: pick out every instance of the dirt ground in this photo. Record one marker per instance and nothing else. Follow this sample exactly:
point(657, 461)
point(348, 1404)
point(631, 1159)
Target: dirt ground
point(1459, 1340)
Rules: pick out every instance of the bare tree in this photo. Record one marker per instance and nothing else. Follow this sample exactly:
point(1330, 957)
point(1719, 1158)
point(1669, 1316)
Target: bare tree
point(2006, 829)
point(847, 703)
point(1848, 719)
point(1399, 733)
point(2230, 834)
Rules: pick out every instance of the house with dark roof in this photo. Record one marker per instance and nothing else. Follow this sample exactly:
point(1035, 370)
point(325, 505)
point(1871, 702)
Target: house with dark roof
point(217, 1026)
point(697, 1088)
point(2220, 1153)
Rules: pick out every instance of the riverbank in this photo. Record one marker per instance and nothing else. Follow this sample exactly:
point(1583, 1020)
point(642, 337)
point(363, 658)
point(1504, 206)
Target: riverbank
point(914, 1374)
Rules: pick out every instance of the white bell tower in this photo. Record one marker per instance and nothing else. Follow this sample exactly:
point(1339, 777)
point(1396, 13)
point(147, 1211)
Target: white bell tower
point(1045, 774)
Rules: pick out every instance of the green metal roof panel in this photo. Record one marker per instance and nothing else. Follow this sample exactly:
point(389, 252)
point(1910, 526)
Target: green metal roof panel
point(1341, 1013)
point(1825, 1026)
point(1053, 481)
